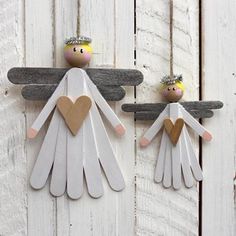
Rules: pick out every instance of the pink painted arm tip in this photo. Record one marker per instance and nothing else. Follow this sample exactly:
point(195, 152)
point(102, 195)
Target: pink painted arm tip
point(120, 129)
point(32, 133)
point(144, 142)
point(207, 136)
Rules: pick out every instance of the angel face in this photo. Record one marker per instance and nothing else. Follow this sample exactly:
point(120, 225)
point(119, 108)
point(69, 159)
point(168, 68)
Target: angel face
point(172, 93)
point(78, 55)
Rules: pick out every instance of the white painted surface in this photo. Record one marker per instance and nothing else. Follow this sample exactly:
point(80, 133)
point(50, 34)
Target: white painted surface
point(218, 203)
point(32, 33)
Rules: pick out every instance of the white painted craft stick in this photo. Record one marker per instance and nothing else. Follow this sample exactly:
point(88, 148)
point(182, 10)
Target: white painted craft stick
point(91, 164)
point(167, 179)
point(176, 165)
point(159, 171)
point(75, 145)
point(196, 169)
point(51, 103)
point(176, 150)
point(157, 125)
point(185, 162)
point(58, 180)
point(192, 122)
point(102, 103)
point(45, 157)
point(105, 151)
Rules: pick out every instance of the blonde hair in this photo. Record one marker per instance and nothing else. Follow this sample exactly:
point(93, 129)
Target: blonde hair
point(178, 83)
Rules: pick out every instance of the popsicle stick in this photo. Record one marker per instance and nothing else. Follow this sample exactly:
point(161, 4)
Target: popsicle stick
point(101, 102)
point(159, 171)
point(58, 180)
point(185, 163)
point(75, 144)
point(157, 125)
point(159, 107)
point(193, 123)
point(176, 150)
point(38, 123)
point(196, 169)
point(167, 179)
point(176, 166)
point(45, 157)
point(92, 167)
point(106, 154)
point(75, 164)
point(100, 76)
point(151, 115)
point(44, 92)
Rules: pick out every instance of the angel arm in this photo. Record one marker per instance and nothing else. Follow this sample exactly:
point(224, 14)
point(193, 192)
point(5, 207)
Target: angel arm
point(154, 129)
point(38, 123)
point(195, 125)
point(106, 109)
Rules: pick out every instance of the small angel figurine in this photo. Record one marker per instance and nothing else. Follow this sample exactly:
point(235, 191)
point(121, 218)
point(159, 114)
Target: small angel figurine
point(176, 156)
point(76, 141)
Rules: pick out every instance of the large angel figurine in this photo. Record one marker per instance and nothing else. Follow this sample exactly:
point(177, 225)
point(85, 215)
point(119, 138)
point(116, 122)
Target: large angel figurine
point(176, 158)
point(76, 141)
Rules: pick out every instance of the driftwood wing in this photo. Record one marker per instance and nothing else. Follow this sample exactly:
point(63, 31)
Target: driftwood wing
point(41, 82)
point(150, 111)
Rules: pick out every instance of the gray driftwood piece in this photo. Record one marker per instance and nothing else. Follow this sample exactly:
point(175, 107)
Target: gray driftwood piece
point(150, 111)
point(41, 82)
point(44, 92)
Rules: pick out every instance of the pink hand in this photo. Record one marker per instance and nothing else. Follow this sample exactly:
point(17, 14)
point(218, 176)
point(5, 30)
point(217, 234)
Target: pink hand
point(32, 133)
point(207, 136)
point(144, 142)
point(120, 129)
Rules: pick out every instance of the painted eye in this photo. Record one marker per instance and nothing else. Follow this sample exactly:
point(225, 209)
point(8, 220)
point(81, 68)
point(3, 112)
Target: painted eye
point(168, 89)
point(174, 89)
point(74, 49)
point(81, 50)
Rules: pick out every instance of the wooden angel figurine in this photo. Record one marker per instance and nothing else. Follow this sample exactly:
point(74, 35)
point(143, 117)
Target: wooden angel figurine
point(76, 141)
point(176, 158)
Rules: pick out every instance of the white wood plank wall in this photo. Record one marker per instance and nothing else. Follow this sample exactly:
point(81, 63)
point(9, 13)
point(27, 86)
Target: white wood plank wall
point(126, 34)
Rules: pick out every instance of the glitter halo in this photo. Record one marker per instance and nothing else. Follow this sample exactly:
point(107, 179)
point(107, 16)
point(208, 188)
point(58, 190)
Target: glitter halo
point(78, 40)
point(168, 80)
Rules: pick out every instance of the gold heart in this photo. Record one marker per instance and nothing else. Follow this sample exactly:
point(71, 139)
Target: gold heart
point(174, 130)
point(74, 113)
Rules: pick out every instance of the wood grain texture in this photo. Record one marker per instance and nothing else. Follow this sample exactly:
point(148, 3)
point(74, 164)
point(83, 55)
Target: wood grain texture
point(100, 76)
point(159, 107)
point(154, 115)
point(13, 174)
point(65, 26)
point(150, 111)
point(38, 52)
point(218, 159)
point(44, 92)
point(161, 211)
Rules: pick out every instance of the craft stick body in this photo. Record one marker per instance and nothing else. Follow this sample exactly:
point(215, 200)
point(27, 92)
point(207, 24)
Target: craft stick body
point(175, 161)
point(71, 154)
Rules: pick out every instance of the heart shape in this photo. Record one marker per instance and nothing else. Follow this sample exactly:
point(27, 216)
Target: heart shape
point(174, 130)
point(74, 113)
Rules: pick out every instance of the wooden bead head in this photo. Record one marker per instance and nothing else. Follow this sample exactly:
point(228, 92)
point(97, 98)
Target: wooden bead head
point(172, 90)
point(78, 51)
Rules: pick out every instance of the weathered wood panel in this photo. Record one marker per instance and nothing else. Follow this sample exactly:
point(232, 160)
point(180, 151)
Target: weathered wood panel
point(13, 175)
point(66, 25)
point(164, 211)
point(38, 52)
point(218, 81)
